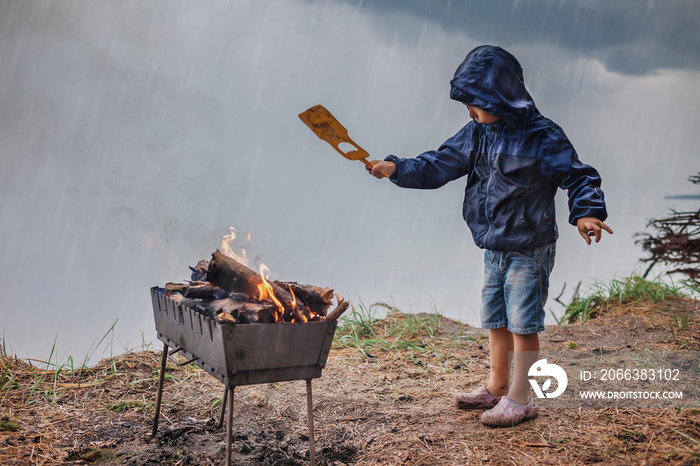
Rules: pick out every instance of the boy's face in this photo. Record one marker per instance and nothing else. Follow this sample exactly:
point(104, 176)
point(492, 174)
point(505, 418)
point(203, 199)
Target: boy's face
point(481, 116)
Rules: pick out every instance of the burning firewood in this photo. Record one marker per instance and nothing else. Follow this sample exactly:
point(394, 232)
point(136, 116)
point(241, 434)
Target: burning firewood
point(233, 276)
point(251, 313)
point(230, 292)
point(226, 317)
point(317, 298)
point(200, 290)
point(230, 309)
point(340, 309)
point(199, 272)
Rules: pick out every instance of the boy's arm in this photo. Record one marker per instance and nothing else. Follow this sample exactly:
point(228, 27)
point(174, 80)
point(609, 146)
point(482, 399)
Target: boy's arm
point(430, 169)
point(582, 182)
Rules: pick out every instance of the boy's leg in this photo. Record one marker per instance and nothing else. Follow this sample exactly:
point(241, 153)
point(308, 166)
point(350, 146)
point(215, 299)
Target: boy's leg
point(487, 396)
point(526, 353)
point(517, 406)
point(501, 347)
point(494, 318)
point(526, 289)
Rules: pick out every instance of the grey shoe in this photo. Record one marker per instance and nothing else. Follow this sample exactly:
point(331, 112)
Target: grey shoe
point(508, 413)
point(478, 399)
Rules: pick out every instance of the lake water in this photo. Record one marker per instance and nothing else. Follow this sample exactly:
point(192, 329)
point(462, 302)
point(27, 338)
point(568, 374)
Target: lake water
point(133, 134)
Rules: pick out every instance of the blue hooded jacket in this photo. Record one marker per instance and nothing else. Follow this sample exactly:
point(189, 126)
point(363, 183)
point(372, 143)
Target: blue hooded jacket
point(513, 167)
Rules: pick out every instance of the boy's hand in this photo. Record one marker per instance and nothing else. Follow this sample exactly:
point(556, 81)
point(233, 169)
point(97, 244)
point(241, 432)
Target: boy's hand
point(591, 226)
point(382, 169)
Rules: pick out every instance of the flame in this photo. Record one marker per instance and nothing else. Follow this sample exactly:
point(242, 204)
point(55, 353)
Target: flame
point(297, 314)
point(265, 290)
point(294, 298)
point(227, 250)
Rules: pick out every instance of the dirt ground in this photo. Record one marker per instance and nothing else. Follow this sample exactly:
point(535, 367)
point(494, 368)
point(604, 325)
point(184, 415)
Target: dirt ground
point(385, 407)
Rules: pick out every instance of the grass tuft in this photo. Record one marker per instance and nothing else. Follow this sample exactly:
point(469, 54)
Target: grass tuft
point(412, 335)
point(618, 292)
point(133, 405)
point(47, 385)
point(8, 425)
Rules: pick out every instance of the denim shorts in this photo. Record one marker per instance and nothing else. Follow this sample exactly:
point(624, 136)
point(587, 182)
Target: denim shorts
point(515, 289)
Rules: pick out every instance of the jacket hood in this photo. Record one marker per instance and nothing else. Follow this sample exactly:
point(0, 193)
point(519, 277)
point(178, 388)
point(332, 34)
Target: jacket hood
point(491, 79)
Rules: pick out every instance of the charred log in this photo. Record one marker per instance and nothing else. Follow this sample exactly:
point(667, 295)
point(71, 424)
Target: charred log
point(340, 309)
point(231, 310)
point(199, 272)
point(233, 276)
point(177, 288)
point(203, 290)
point(316, 298)
point(207, 291)
point(230, 293)
point(251, 313)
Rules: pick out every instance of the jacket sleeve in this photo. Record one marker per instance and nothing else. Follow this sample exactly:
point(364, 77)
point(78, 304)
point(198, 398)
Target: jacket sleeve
point(560, 163)
point(435, 168)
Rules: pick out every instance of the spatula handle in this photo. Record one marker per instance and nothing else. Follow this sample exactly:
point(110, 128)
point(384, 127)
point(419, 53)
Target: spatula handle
point(367, 163)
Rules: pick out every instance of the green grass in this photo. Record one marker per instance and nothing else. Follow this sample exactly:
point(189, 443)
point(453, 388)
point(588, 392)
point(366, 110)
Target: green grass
point(382, 327)
point(618, 292)
point(9, 425)
point(357, 329)
point(132, 405)
point(44, 385)
point(155, 374)
point(7, 376)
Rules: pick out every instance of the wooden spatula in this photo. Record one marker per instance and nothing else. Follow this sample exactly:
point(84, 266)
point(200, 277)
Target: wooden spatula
point(330, 130)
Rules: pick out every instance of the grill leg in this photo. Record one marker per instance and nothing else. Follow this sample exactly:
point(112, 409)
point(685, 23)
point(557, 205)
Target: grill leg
point(310, 416)
point(223, 408)
point(229, 426)
point(161, 378)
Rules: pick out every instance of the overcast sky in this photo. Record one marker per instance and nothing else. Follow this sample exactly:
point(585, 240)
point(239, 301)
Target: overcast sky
point(133, 134)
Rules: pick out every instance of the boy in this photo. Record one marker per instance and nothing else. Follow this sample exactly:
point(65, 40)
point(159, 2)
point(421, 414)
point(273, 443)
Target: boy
point(514, 159)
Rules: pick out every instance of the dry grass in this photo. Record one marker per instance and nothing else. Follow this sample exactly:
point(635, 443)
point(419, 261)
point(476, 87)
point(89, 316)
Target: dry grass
point(376, 403)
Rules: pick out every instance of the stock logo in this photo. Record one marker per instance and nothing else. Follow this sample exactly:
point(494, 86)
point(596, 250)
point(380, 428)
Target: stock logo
point(543, 369)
